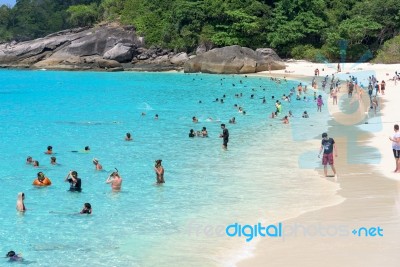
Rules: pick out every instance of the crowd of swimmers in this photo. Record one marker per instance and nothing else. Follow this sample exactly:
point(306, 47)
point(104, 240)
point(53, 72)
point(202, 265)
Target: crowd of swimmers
point(115, 180)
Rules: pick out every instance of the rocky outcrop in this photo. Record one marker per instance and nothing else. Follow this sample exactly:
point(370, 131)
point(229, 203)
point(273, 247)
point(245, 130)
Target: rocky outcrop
point(115, 48)
point(233, 60)
point(107, 47)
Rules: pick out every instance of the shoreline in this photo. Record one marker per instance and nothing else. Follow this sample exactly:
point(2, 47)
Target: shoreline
point(363, 186)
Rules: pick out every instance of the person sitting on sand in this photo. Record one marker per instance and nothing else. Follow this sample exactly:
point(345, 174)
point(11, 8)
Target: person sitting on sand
point(20, 202)
point(87, 209)
point(115, 180)
point(97, 164)
point(159, 169)
point(128, 137)
point(305, 115)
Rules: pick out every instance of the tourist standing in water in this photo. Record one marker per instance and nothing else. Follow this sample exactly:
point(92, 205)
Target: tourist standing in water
point(115, 180)
point(328, 146)
point(20, 202)
point(159, 169)
point(320, 102)
point(224, 136)
point(74, 181)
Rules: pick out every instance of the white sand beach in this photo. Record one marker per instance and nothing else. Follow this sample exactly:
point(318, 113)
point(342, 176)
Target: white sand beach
point(371, 191)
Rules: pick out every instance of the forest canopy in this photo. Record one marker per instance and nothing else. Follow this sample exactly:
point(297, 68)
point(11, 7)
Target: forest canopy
point(303, 29)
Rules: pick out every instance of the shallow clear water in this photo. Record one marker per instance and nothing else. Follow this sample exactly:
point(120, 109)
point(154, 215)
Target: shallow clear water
point(267, 173)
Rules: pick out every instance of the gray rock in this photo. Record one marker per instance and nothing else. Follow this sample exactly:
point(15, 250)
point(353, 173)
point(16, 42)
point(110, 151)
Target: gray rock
point(108, 64)
point(268, 54)
point(120, 52)
point(230, 60)
point(69, 47)
point(179, 58)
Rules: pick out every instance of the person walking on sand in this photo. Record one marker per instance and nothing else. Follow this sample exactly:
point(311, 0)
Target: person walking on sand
point(115, 180)
point(396, 147)
point(159, 169)
point(328, 146)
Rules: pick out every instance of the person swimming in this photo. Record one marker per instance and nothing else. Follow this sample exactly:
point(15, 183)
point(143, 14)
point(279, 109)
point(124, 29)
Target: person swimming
point(192, 133)
point(12, 256)
point(53, 161)
point(87, 209)
point(97, 164)
point(35, 163)
point(128, 137)
point(49, 150)
point(29, 160)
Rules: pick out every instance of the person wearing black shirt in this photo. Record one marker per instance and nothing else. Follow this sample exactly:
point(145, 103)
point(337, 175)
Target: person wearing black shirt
point(328, 146)
point(75, 182)
point(224, 136)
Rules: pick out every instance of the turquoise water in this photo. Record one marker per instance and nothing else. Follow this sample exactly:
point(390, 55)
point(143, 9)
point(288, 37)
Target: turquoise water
point(259, 177)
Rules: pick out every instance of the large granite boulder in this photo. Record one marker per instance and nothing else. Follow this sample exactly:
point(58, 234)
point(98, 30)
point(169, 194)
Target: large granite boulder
point(120, 52)
point(68, 49)
point(179, 58)
point(231, 60)
point(268, 53)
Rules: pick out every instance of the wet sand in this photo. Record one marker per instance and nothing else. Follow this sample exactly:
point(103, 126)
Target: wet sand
point(370, 188)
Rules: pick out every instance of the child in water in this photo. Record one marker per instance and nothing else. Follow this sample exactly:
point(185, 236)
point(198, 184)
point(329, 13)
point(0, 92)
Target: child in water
point(320, 102)
point(87, 209)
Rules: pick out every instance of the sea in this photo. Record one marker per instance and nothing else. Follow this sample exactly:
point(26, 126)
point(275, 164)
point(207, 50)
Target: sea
point(267, 174)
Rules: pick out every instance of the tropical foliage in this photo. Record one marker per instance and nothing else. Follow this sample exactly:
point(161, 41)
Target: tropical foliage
point(310, 29)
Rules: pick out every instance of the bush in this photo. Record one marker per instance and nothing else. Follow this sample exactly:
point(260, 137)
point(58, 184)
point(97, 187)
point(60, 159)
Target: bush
point(390, 52)
point(307, 52)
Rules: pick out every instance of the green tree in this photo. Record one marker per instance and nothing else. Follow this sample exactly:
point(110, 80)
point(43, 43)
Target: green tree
point(82, 15)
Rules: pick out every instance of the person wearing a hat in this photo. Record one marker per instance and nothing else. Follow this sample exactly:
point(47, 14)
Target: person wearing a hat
point(328, 146)
point(159, 169)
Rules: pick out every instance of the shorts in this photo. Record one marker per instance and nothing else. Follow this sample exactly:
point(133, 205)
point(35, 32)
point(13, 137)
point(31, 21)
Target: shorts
point(327, 158)
point(225, 143)
point(396, 153)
